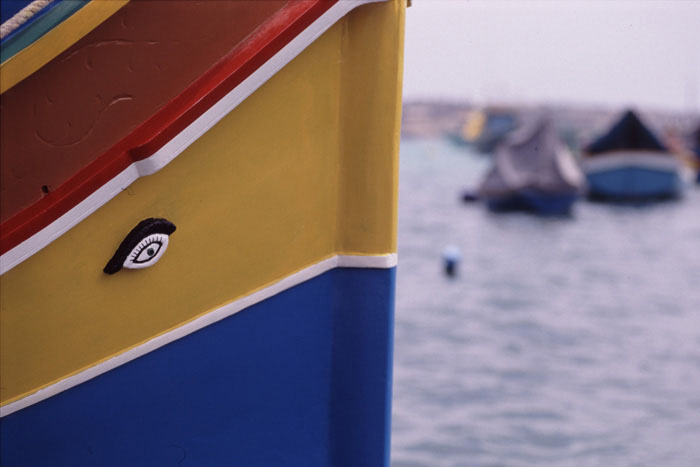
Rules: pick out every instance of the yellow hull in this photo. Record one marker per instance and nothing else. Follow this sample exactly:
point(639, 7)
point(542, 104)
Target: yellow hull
point(304, 169)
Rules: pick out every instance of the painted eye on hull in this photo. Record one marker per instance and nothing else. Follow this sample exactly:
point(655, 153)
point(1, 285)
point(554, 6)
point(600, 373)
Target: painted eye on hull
point(147, 252)
point(143, 246)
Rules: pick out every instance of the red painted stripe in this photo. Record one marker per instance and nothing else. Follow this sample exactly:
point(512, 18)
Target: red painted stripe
point(155, 132)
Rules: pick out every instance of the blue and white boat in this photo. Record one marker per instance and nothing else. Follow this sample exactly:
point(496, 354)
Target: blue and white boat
point(629, 163)
point(533, 171)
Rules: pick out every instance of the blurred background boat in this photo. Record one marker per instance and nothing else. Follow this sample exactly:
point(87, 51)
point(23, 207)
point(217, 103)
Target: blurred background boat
point(533, 171)
point(630, 163)
point(470, 130)
point(485, 128)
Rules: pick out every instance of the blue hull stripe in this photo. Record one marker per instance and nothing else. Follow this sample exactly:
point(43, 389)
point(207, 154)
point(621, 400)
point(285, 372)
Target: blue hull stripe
point(300, 379)
point(634, 182)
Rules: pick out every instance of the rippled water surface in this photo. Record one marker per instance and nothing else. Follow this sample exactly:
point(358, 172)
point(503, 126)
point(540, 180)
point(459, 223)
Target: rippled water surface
point(562, 342)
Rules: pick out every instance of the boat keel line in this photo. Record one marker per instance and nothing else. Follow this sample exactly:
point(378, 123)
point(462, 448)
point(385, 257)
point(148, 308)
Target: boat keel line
point(181, 141)
point(231, 308)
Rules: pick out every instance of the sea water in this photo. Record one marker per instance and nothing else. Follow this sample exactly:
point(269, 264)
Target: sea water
point(560, 342)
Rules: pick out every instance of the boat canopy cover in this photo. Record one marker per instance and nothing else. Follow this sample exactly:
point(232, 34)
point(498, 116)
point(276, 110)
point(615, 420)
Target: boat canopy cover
point(533, 158)
point(628, 133)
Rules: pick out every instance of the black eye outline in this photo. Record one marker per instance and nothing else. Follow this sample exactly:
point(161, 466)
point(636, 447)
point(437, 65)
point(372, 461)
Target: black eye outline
point(144, 229)
point(136, 253)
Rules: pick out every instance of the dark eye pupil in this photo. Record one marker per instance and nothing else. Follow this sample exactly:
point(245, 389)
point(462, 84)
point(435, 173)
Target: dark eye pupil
point(150, 252)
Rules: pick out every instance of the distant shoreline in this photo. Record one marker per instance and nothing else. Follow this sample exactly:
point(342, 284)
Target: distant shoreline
point(442, 118)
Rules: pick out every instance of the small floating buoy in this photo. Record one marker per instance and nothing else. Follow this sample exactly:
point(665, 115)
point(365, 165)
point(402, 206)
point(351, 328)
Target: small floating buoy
point(450, 258)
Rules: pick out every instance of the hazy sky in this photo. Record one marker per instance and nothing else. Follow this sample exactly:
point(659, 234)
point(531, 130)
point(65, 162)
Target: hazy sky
point(638, 53)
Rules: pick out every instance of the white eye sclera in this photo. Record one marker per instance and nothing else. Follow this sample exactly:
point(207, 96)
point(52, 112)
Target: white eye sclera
point(147, 252)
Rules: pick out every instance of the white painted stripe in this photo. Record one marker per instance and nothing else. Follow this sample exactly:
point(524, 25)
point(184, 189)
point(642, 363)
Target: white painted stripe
point(69, 220)
point(181, 141)
point(340, 261)
point(622, 159)
point(367, 261)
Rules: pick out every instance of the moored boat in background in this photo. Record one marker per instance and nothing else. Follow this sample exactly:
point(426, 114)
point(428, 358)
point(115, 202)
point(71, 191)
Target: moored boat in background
point(533, 171)
point(248, 148)
point(485, 129)
point(629, 163)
